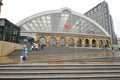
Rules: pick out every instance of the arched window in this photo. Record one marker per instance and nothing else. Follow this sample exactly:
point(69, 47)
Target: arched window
point(52, 42)
point(71, 43)
point(93, 43)
point(62, 42)
point(79, 43)
point(86, 43)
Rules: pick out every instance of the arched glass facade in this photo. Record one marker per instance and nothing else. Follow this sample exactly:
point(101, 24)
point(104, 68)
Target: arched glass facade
point(64, 27)
point(60, 21)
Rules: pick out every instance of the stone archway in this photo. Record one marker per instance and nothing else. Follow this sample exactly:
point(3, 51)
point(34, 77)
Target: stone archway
point(42, 41)
point(71, 42)
point(93, 43)
point(86, 43)
point(62, 41)
point(53, 41)
point(79, 43)
point(106, 43)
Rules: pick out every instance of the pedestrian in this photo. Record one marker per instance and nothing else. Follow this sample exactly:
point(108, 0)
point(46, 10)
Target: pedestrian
point(32, 46)
point(25, 51)
point(36, 46)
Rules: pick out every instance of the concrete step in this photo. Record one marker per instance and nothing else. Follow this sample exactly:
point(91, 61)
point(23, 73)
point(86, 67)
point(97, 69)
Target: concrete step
point(74, 59)
point(60, 71)
point(60, 50)
point(59, 68)
point(63, 54)
point(59, 65)
point(56, 77)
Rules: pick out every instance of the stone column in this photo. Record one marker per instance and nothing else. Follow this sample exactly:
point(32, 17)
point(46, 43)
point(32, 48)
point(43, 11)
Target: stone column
point(109, 44)
point(47, 41)
point(83, 42)
point(103, 43)
point(75, 42)
point(37, 36)
point(58, 41)
point(66, 42)
point(90, 42)
point(97, 43)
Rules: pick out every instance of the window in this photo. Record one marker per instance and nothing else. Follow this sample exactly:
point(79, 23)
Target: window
point(91, 11)
point(1, 35)
point(0, 29)
point(88, 14)
point(2, 23)
point(95, 10)
point(105, 9)
point(99, 7)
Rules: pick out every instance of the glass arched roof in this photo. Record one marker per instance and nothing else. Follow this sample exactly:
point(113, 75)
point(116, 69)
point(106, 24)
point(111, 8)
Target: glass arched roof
point(55, 21)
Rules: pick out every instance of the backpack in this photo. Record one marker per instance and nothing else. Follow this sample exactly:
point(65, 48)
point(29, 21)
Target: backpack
point(24, 58)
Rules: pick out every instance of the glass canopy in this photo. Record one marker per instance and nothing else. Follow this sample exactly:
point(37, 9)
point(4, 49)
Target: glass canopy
point(61, 21)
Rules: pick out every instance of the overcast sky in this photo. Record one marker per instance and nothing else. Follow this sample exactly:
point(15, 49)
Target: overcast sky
point(16, 10)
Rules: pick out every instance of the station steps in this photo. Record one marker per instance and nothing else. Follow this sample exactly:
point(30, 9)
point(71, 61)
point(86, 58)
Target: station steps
point(60, 72)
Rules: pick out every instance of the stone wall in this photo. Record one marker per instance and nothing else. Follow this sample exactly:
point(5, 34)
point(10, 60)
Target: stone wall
point(8, 47)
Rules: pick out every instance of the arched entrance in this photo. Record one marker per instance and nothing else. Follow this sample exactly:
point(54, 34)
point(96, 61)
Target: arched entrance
point(106, 43)
point(62, 42)
point(52, 41)
point(71, 42)
point(93, 43)
point(79, 43)
point(42, 41)
point(86, 43)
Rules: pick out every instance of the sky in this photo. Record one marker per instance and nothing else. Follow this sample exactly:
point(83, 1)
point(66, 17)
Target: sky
point(17, 10)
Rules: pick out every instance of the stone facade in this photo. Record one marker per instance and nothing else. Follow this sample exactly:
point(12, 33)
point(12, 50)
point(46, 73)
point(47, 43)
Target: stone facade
point(93, 41)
